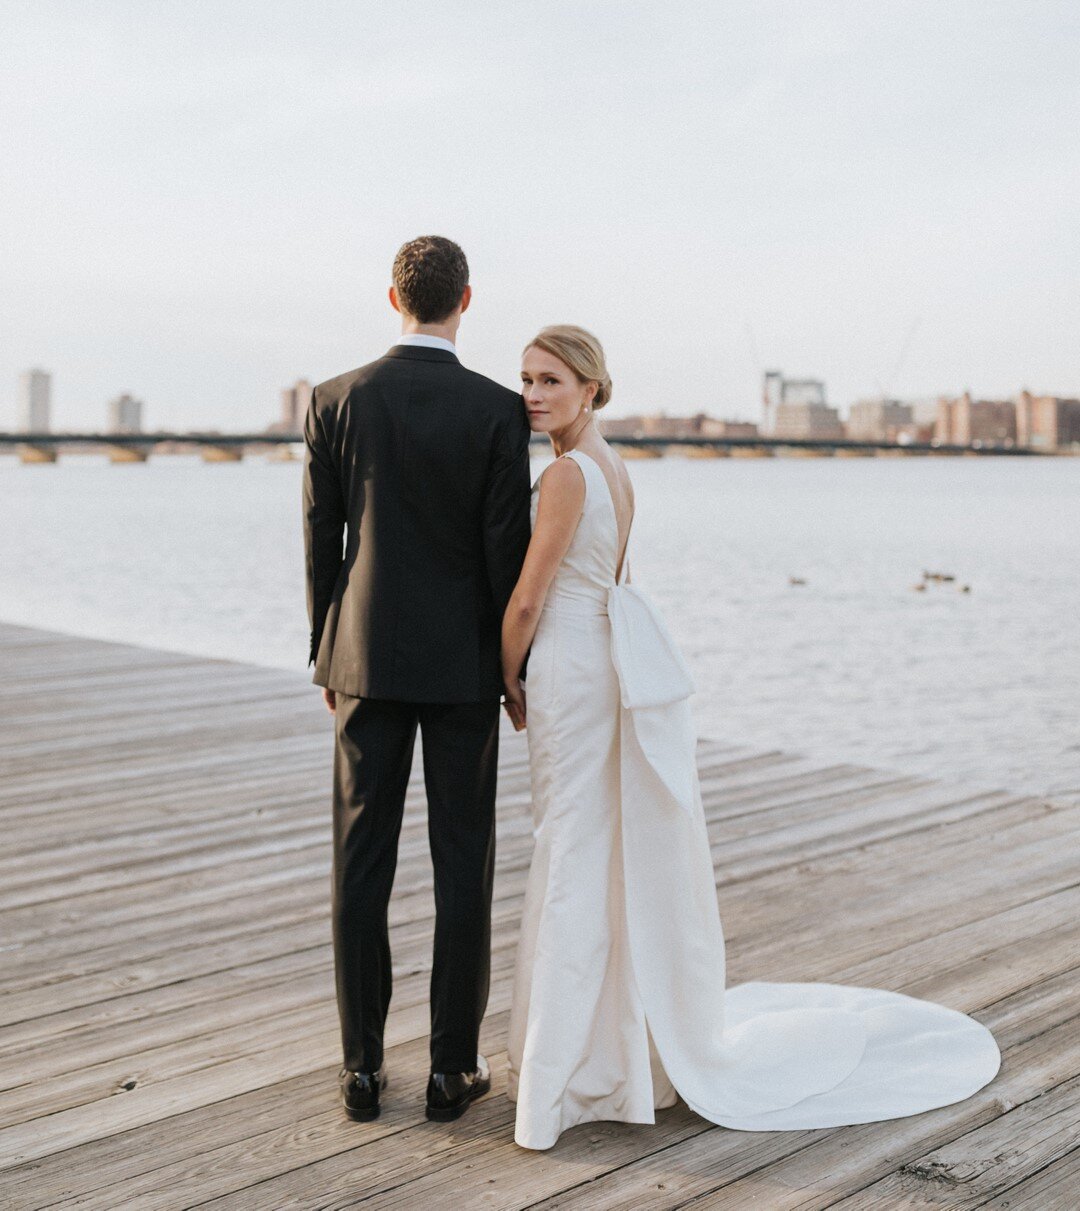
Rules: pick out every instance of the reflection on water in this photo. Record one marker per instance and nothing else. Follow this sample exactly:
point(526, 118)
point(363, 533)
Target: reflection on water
point(853, 664)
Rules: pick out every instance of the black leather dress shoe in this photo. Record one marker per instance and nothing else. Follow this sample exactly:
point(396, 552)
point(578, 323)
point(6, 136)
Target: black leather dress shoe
point(360, 1093)
point(449, 1094)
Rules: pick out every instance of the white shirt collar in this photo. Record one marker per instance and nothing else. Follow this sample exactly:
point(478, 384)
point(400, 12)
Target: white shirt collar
point(429, 342)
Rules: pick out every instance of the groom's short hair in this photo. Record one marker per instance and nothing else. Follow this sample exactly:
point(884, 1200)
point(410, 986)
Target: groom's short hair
point(430, 276)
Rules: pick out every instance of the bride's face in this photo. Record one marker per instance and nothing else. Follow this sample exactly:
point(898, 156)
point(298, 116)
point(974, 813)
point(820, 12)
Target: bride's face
point(551, 390)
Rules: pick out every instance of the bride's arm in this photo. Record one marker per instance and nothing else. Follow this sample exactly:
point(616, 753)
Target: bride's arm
point(558, 510)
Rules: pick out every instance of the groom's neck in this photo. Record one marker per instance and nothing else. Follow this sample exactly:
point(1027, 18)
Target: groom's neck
point(447, 329)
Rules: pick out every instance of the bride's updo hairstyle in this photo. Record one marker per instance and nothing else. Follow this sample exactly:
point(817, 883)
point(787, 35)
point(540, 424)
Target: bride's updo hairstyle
point(581, 351)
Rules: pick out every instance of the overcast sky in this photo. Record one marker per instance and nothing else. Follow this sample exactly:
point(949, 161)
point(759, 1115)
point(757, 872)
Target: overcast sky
point(200, 201)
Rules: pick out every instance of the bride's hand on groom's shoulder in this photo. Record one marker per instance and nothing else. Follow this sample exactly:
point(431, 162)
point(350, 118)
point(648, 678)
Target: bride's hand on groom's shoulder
point(514, 702)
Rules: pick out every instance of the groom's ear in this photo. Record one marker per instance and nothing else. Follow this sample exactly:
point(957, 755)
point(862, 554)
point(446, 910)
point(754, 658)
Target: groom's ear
point(466, 298)
point(392, 295)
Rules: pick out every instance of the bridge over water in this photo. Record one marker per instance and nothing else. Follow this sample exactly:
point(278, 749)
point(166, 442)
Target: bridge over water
point(231, 447)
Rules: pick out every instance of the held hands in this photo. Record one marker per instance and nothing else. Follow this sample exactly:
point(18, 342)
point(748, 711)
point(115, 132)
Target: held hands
point(514, 701)
point(330, 699)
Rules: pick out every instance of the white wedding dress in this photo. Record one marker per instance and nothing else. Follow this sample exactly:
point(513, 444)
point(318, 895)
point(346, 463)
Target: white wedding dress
point(619, 1004)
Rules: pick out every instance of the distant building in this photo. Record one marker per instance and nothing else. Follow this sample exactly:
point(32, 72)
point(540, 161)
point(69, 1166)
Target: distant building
point(728, 428)
point(924, 412)
point(616, 426)
point(659, 424)
point(35, 400)
point(796, 408)
point(913, 433)
point(878, 420)
point(124, 415)
point(294, 406)
point(964, 421)
point(1047, 422)
point(802, 422)
point(662, 425)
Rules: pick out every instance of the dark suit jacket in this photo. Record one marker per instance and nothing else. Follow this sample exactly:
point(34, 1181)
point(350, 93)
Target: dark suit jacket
point(422, 467)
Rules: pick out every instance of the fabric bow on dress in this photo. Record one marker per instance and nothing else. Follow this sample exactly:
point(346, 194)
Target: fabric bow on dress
point(655, 685)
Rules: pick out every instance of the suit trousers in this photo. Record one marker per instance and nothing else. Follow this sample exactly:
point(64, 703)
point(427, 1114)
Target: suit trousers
point(372, 761)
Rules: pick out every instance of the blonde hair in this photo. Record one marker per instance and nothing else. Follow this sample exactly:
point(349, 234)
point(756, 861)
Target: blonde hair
point(581, 351)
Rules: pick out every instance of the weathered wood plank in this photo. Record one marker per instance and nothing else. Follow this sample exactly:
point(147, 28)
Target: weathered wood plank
point(991, 1160)
point(164, 921)
point(1051, 1189)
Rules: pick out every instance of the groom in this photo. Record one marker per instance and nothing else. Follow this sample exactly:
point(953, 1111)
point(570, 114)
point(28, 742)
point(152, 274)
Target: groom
point(422, 467)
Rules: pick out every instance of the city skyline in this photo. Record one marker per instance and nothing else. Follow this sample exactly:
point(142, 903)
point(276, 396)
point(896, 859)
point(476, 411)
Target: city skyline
point(791, 408)
point(878, 198)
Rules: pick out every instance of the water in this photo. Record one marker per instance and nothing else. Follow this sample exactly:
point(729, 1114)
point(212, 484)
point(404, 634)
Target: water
point(853, 665)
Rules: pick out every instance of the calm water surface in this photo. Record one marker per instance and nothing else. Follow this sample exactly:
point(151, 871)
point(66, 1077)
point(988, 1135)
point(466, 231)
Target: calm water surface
point(853, 664)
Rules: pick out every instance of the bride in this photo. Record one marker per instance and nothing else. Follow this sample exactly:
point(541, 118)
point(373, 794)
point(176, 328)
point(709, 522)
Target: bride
point(619, 1001)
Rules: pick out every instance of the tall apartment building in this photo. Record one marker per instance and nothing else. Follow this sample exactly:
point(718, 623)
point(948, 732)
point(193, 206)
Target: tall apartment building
point(124, 415)
point(294, 406)
point(1047, 422)
point(964, 421)
point(878, 420)
point(796, 408)
point(35, 400)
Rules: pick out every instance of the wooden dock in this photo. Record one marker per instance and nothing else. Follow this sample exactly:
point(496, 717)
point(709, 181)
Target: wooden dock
point(168, 1033)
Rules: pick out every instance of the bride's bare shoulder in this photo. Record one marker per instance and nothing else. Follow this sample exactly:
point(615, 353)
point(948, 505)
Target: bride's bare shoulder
point(564, 476)
point(562, 499)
